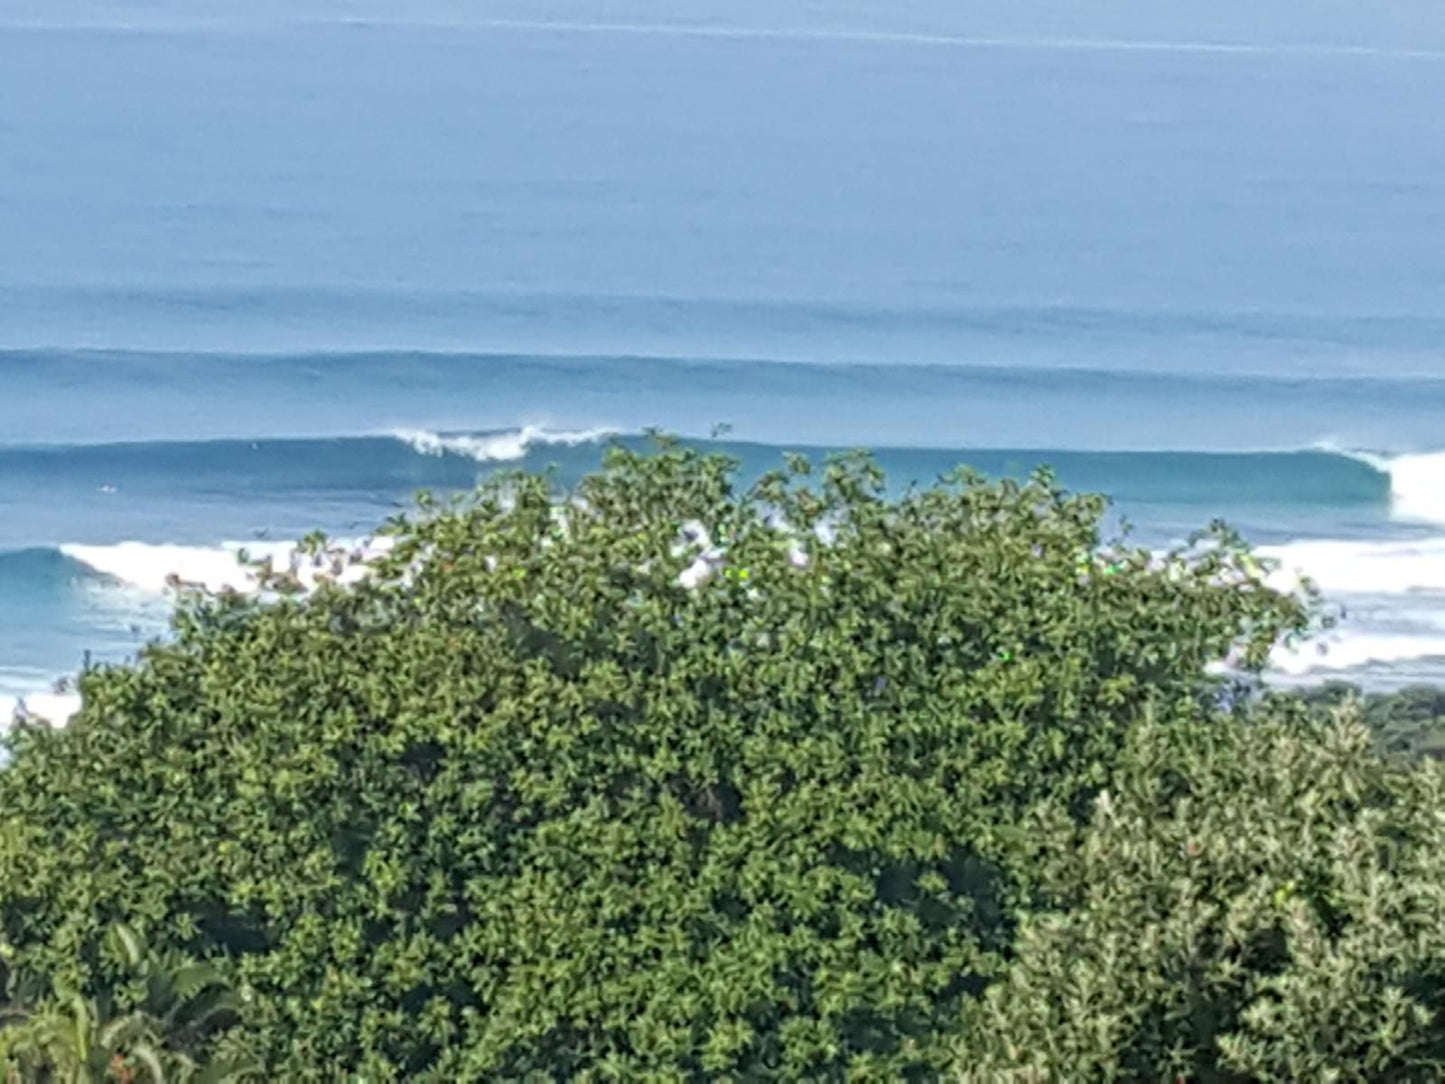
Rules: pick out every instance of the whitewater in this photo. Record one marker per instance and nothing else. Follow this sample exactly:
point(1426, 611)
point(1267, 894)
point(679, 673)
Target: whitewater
point(275, 268)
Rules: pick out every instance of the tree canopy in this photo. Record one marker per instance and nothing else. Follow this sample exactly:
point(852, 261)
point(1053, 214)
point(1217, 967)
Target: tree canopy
point(672, 778)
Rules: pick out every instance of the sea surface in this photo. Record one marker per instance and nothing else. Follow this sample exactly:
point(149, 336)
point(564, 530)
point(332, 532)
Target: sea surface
point(270, 267)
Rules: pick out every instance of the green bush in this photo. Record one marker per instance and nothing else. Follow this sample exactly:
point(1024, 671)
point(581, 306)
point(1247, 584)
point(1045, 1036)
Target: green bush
point(520, 805)
point(1260, 900)
point(1405, 725)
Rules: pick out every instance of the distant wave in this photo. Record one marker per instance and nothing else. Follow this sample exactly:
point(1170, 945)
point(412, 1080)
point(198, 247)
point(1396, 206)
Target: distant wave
point(1339, 566)
point(497, 447)
point(1365, 486)
point(962, 41)
point(1344, 569)
point(1392, 594)
point(149, 566)
point(636, 334)
point(169, 23)
point(374, 473)
point(1108, 395)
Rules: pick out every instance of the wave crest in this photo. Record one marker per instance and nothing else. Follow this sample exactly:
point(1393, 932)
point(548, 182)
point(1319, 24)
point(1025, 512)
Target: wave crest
point(1417, 482)
point(496, 447)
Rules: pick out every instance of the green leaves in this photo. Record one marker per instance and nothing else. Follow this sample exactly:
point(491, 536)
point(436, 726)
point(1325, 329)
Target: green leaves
point(1260, 900)
point(140, 1031)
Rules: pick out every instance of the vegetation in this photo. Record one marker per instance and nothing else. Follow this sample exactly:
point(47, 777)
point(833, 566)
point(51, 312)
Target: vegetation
point(677, 781)
point(131, 1032)
point(1404, 725)
point(1260, 902)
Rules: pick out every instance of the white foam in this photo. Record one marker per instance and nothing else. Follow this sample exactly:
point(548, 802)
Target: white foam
point(1355, 650)
point(150, 567)
point(1348, 567)
point(30, 693)
point(57, 709)
point(1372, 579)
point(496, 447)
point(1417, 486)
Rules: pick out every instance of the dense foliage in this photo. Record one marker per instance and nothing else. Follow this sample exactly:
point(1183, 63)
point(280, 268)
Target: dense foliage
point(1261, 902)
point(677, 780)
point(1404, 725)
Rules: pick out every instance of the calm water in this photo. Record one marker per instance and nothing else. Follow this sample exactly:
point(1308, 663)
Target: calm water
point(1194, 258)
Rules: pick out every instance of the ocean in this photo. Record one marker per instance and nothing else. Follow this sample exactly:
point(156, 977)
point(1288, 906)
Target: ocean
point(274, 267)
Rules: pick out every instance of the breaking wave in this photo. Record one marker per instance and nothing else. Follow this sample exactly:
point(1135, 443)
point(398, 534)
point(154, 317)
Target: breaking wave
point(1417, 482)
point(153, 567)
point(31, 692)
point(497, 447)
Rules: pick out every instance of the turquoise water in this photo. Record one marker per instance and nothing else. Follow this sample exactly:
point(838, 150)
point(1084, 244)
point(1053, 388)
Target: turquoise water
point(270, 268)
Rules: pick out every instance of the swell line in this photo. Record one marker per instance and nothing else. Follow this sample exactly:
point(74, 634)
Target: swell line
point(961, 41)
point(734, 33)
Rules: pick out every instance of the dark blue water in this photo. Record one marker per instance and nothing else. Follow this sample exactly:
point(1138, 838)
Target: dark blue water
point(241, 245)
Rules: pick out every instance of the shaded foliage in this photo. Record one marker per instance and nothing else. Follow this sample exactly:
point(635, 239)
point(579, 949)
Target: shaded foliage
point(1406, 724)
point(521, 804)
point(137, 1031)
point(1259, 900)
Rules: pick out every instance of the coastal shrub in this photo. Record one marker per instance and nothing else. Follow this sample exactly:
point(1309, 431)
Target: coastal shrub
point(1260, 900)
point(669, 779)
point(136, 1031)
point(1406, 724)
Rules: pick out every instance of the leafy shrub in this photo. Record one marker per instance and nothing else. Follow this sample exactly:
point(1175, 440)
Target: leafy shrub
point(524, 804)
point(1405, 725)
point(1260, 900)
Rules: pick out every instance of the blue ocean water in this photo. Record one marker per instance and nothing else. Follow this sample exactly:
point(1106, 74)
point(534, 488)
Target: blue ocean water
point(272, 267)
